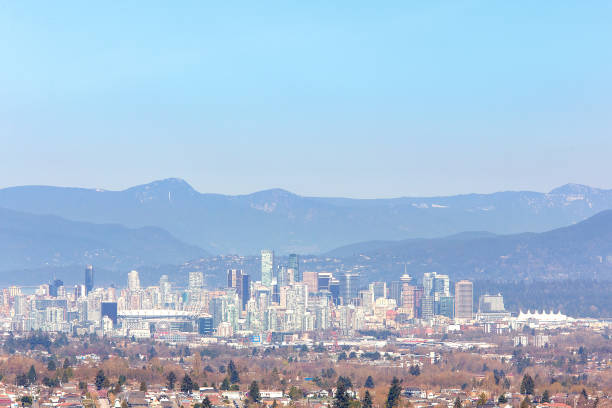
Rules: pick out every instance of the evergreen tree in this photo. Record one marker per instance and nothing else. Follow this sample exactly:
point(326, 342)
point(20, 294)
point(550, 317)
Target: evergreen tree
point(254, 394)
point(66, 363)
point(143, 386)
point(100, 378)
point(51, 366)
point(225, 385)
point(527, 385)
point(295, 393)
point(171, 378)
point(206, 403)
point(415, 370)
point(367, 400)
point(394, 394)
point(347, 382)
point(186, 384)
point(502, 399)
point(545, 397)
point(369, 383)
point(584, 393)
point(457, 403)
point(341, 399)
point(32, 375)
point(234, 377)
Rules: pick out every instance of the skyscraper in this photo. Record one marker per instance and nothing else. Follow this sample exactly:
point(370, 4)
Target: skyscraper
point(233, 275)
point(267, 267)
point(89, 279)
point(294, 263)
point(395, 292)
point(237, 279)
point(165, 287)
point(349, 286)
point(408, 298)
point(379, 289)
point(196, 280)
point(244, 289)
point(311, 279)
point(464, 300)
point(324, 280)
point(54, 286)
point(133, 281)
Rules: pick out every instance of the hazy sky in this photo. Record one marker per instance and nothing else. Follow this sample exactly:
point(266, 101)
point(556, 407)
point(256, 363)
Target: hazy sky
point(362, 99)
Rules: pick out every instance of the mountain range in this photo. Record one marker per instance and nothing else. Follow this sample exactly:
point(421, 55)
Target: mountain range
point(34, 246)
point(580, 251)
point(291, 223)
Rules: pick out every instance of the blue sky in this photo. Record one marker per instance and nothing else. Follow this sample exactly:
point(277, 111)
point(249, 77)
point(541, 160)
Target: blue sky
point(360, 99)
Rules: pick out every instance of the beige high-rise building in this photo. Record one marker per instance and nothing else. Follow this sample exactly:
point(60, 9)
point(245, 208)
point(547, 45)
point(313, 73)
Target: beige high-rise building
point(464, 300)
point(312, 280)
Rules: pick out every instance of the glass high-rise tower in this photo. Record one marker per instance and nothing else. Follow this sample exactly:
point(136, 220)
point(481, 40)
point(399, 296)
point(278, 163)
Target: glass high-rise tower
point(89, 279)
point(267, 267)
point(294, 263)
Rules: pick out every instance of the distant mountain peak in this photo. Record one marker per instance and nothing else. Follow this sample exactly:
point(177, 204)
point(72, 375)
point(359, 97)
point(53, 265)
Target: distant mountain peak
point(572, 188)
point(168, 184)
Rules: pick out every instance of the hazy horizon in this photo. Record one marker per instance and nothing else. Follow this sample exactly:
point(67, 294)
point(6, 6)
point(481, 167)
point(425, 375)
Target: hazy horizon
point(293, 192)
point(351, 99)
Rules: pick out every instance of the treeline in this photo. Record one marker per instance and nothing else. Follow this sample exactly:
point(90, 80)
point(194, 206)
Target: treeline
point(576, 298)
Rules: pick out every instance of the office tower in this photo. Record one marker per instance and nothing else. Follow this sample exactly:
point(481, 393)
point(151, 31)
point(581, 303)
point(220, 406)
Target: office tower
point(294, 263)
point(217, 308)
point(89, 279)
point(233, 275)
point(284, 276)
point(133, 281)
point(379, 289)
point(324, 280)
point(441, 286)
point(267, 267)
point(54, 286)
point(334, 289)
point(311, 279)
point(109, 309)
point(366, 298)
point(491, 303)
point(464, 300)
point(427, 307)
point(349, 286)
point(428, 283)
point(165, 288)
point(244, 289)
point(20, 305)
point(196, 280)
point(237, 279)
point(418, 301)
point(446, 307)
point(395, 292)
